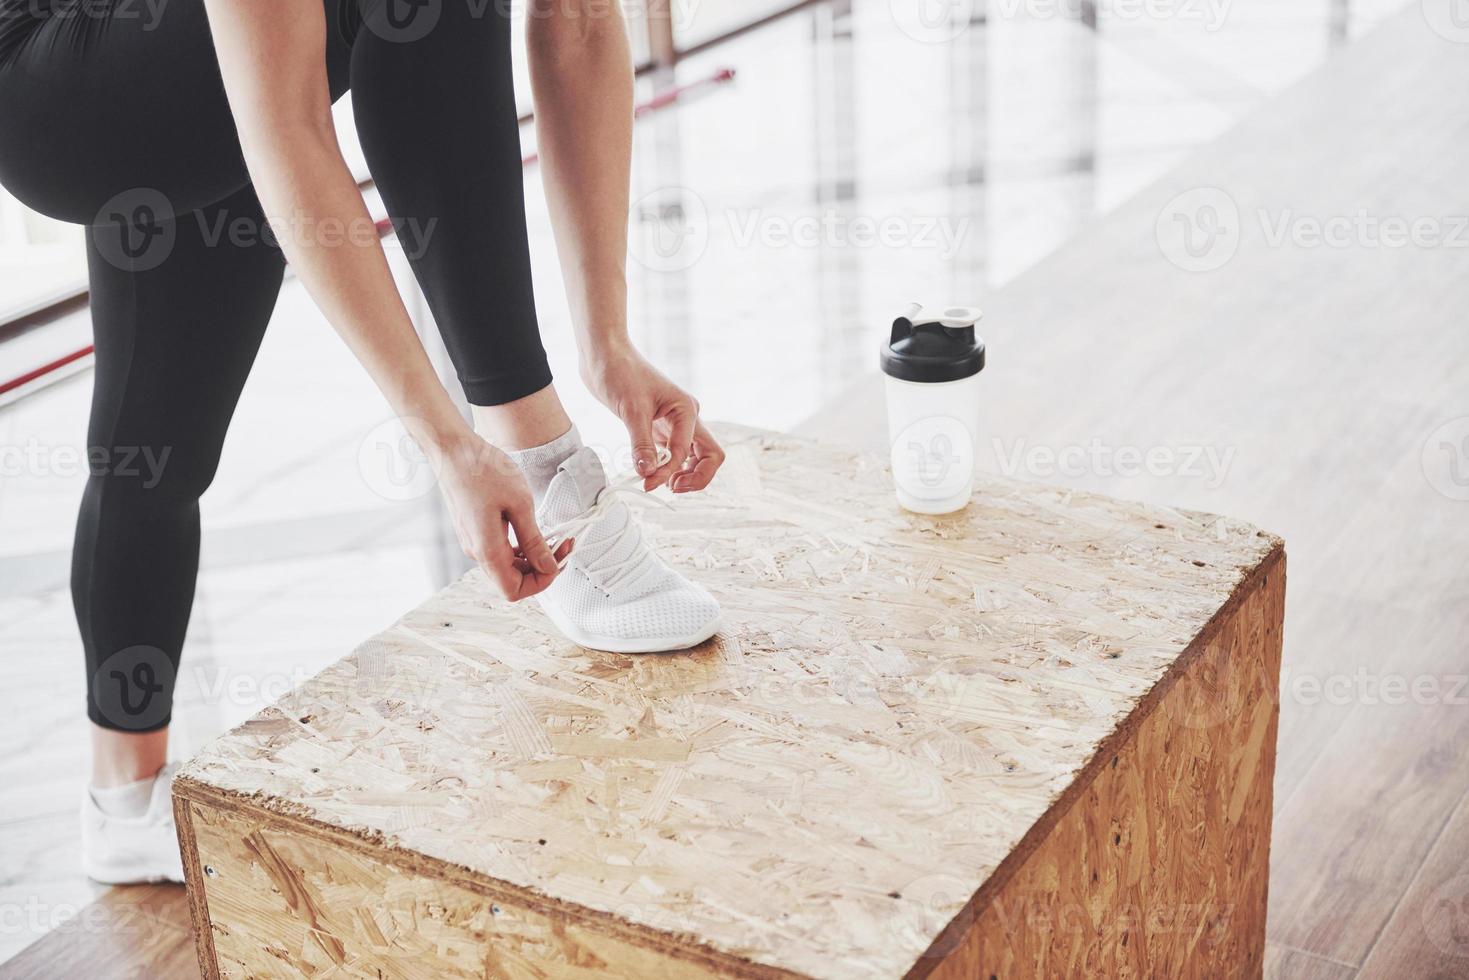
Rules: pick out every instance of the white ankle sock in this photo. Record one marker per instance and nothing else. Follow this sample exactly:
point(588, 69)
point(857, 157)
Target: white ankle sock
point(539, 463)
point(130, 800)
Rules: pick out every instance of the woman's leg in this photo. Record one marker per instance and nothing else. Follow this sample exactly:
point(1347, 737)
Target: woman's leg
point(112, 107)
point(176, 331)
point(435, 105)
point(121, 123)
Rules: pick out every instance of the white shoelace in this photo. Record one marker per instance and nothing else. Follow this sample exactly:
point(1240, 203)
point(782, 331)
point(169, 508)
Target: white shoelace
point(607, 575)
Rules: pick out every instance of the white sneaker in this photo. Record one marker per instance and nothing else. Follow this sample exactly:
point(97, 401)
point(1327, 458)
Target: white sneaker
point(614, 593)
point(133, 850)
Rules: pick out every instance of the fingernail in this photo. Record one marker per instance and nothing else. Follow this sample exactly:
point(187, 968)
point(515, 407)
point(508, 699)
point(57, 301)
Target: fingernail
point(644, 466)
point(545, 563)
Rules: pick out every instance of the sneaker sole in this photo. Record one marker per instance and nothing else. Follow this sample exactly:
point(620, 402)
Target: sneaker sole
point(610, 644)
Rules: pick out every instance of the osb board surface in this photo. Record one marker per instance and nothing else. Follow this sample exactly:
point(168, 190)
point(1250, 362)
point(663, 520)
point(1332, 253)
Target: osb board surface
point(893, 700)
point(1160, 867)
point(284, 905)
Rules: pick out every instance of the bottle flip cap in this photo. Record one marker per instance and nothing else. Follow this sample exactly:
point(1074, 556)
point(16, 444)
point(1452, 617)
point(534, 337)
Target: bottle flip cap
point(932, 348)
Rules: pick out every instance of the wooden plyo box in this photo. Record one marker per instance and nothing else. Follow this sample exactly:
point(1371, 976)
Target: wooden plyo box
point(1034, 739)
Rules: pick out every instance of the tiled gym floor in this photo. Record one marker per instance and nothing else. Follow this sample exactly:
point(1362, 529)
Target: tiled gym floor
point(754, 282)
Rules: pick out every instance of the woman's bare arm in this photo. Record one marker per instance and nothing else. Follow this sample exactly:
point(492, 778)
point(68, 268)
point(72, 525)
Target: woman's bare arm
point(581, 72)
point(271, 57)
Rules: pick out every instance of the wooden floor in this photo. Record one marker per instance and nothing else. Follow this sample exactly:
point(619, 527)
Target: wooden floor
point(1322, 375)
point(137, 933)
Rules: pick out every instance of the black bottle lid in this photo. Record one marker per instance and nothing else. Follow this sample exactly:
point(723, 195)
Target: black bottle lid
point(933, 348)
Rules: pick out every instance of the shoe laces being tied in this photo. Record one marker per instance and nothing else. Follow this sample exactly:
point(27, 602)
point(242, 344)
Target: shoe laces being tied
point(599, 556)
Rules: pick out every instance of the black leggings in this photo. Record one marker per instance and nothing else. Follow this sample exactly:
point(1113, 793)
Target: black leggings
point(113, 115)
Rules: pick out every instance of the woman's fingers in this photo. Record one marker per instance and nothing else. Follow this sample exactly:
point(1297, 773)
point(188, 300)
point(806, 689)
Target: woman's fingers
point(644, 445)
point(528, 538)
point(563, 552)
point(681, 443)
point(499, 563)
point(703, 463)
point(530, 566)
point(516, 577)
point(680, 421)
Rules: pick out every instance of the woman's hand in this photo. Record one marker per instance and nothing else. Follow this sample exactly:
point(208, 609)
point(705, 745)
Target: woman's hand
point(657, 413)
point(487, 495)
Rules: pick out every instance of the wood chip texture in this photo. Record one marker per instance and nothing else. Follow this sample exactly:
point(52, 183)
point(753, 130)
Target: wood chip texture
point(894, 700)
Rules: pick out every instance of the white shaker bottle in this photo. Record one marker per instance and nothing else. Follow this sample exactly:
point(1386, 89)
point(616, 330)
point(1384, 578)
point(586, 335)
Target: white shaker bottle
point(932, 363)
